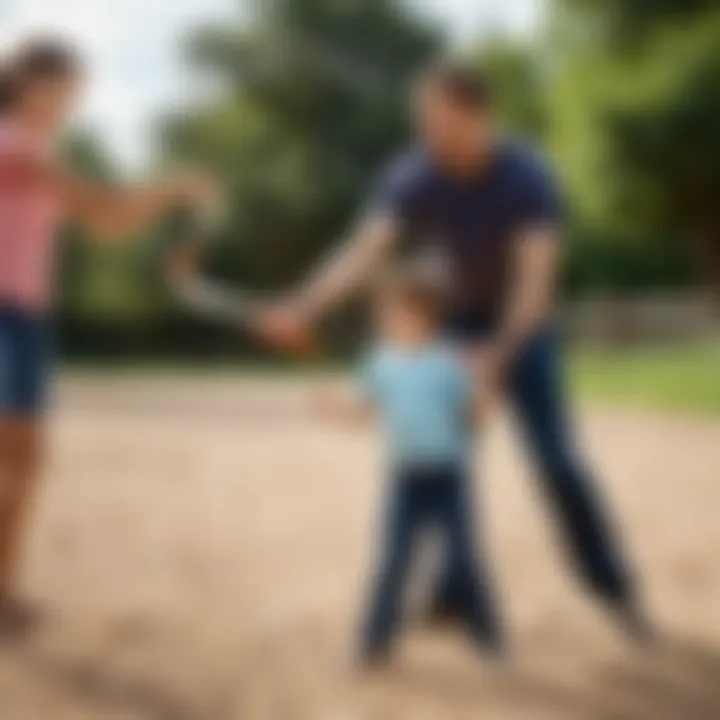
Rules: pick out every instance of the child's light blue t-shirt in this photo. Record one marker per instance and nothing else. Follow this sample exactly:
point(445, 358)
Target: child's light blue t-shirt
point(425, 399)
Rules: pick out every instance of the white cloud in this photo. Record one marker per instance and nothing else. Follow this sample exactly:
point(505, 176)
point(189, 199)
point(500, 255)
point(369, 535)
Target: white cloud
point(132, 46)
point(467, 18)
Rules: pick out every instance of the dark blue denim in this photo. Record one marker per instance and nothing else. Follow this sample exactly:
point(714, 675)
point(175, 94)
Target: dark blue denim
point(25, 350)
point(437, 496)
point(536, 393)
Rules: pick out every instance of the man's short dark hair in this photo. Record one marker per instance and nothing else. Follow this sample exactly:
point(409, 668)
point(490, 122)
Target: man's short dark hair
point(465, 85)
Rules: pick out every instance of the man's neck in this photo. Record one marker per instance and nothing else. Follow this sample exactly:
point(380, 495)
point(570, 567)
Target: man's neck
point(472, 162)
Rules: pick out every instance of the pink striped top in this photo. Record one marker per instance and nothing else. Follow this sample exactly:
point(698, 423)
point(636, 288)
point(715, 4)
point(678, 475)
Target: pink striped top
point(29, 216)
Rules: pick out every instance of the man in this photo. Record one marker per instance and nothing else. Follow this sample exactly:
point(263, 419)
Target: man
point(495, 212)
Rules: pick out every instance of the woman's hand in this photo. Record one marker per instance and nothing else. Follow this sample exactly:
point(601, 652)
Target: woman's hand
point(119, 213)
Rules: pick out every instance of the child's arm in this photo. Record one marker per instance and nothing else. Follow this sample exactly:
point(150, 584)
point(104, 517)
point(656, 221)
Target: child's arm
point(353, 405)
point(336, 405)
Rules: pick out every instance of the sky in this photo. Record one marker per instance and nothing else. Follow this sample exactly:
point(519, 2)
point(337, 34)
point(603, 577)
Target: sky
point(132, 46)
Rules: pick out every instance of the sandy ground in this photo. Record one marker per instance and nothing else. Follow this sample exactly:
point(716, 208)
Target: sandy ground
point(201, 552)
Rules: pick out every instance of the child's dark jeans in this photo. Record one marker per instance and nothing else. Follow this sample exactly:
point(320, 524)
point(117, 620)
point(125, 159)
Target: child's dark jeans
point(430, 496)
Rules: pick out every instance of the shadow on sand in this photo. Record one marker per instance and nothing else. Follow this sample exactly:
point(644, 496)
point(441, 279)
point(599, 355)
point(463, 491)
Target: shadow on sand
point(676, 680)
point(104, 689)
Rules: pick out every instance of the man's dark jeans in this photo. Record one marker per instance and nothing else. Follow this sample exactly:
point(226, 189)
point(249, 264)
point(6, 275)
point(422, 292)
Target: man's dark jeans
point(535, 391)
point(421, 497)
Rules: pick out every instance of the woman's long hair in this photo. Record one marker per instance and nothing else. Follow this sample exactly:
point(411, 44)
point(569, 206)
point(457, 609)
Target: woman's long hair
point(33, 60)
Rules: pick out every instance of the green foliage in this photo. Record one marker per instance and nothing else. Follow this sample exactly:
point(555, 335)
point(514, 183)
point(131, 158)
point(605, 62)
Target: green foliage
point(314, 103)
point(669, 379)
point(311, 102)
point(622, 25)
point(520, 78)
point(100, 282)
point(636, 127)
point(670, 157)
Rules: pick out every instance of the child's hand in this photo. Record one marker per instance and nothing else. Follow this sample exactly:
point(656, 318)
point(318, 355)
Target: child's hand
point(335, 405)
point(328, 403)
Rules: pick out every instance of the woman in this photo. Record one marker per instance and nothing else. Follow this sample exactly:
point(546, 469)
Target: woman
point(40, 87)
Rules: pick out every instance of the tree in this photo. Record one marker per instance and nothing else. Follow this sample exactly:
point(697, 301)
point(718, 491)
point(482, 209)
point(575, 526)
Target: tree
point(313, 105)
point(100, 282)
point(639, 99)
point(520, 77)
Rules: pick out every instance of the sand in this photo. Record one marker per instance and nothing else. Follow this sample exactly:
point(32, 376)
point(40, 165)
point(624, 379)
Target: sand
point(201, 551)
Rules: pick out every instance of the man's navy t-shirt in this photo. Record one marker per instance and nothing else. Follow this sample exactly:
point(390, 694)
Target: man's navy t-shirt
point(473, 219)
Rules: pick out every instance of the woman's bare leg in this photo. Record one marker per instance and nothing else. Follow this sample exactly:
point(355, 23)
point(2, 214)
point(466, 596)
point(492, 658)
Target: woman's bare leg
point(20, 456)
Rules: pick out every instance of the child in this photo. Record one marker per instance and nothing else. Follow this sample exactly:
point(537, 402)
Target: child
point(428, 404)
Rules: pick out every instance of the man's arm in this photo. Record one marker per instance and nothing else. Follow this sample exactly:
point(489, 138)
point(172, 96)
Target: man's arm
point(394, 202)
point(333, 282)
point(348, 267)
point(534, 268)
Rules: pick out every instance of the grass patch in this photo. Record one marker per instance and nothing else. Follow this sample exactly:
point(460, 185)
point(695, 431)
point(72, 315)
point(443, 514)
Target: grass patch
point(680, 379)
point(674, 379)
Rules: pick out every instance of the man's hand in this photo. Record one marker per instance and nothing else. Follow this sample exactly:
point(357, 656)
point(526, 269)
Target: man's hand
point(285, 327)
point(489, 369)
point(287, 324)
point(535, 260)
